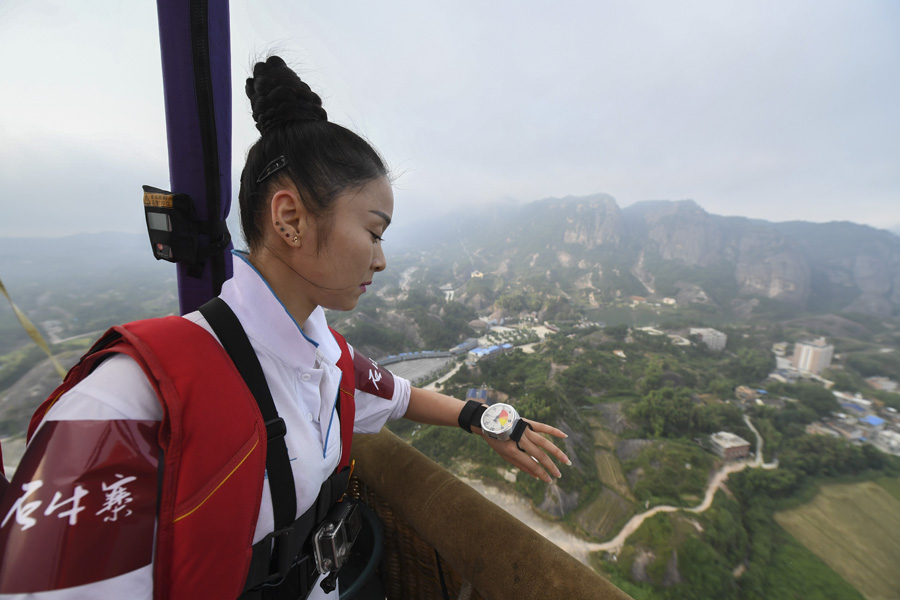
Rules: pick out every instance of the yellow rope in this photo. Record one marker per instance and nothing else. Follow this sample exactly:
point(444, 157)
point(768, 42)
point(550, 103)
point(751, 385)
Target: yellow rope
point(33, 332)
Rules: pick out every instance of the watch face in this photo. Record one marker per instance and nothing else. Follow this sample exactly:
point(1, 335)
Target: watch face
point(498, 419)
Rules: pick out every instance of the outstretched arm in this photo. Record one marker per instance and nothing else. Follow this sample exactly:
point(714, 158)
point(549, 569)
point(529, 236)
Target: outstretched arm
point(433, 408)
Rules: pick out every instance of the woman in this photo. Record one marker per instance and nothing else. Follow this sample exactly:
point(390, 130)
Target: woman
point(145, 478)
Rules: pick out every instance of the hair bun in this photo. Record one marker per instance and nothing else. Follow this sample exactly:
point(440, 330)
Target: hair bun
point(278, 96)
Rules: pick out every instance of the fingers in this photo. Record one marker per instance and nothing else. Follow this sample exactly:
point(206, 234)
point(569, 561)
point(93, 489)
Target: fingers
point(541, 463)
point(536, 451)
point(527, 461)
point(533, 458)
point(548, 446)
point(544, 428)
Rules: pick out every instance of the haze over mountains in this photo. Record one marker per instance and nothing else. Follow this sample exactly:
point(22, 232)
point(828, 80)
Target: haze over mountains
point(588, 248)
point(590, 245)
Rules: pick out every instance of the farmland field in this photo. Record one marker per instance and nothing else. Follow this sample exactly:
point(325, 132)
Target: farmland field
point(603, 517)
point(855, 529)
point(603, 438)
point(610, 473)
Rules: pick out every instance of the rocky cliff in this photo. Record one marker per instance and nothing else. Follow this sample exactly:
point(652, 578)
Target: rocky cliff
point(844, 265)
point(592, 221)
point(589, 245)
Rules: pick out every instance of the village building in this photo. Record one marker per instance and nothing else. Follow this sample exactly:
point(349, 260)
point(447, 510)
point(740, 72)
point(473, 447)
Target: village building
point(479, 394)
point(448, 291)
point(888, 441)
point(713, 338)
point(855, 403)
point(882, 383)
point(812, 356)
point(872, 425)
point(483, 353)
point(729, 446)
point(464, 347)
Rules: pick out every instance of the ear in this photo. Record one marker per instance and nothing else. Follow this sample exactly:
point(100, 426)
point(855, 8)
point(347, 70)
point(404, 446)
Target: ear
point(289, 218)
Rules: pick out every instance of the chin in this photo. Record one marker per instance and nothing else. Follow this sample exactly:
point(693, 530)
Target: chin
point(342, 305)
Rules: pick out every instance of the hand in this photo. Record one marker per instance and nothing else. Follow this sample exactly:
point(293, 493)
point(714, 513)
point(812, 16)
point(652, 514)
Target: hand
point(533, 458)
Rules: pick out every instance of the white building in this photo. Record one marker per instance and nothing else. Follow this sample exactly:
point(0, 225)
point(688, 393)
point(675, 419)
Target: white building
point(448, 292)
point(888, 441)
point(713, 338)
point(812, 356)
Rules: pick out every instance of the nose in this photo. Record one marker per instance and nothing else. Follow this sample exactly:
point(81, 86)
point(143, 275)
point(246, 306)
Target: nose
point(379, 262)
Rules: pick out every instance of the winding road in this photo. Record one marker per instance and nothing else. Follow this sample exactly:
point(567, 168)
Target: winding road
point(580, 548)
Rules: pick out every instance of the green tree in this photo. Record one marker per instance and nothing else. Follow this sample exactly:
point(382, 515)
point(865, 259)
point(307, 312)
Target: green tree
point(750, 366)
point(704, 573)
point(817, 399)
point(725, 532)
point(665, 412)
point(617, 332)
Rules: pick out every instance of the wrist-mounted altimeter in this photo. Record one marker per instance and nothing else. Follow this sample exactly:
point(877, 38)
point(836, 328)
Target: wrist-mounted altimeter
point(499, 421)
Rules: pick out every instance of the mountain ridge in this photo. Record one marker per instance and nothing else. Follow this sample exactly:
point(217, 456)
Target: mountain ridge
point(659, 247)
point(589, 248)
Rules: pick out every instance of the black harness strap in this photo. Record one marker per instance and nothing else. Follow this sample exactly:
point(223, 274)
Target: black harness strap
point(278, 466)
point(282, 564)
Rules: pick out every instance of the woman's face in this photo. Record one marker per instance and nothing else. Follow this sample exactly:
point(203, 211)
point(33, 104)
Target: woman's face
point(336, 267)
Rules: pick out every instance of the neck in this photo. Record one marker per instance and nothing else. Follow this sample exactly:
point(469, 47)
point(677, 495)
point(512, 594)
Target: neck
point(284, 282)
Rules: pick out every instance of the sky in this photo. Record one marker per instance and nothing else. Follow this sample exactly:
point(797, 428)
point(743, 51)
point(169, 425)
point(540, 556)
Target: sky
point(767, 109)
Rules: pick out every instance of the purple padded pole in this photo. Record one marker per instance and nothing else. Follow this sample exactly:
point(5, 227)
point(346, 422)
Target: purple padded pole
point(196, 59)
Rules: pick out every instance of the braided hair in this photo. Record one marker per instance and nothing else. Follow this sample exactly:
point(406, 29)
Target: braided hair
point(322, 159)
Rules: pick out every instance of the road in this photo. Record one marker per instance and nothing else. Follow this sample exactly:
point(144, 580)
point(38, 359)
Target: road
point(443, 378)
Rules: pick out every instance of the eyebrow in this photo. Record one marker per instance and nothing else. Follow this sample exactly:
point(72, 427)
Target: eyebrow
point(386, 218)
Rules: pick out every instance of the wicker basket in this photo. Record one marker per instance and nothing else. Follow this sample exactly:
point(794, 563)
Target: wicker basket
point(410, 567)
point(440, 533)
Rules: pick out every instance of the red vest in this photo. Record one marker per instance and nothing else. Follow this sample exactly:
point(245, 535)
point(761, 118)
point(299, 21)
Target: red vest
point(213, 441)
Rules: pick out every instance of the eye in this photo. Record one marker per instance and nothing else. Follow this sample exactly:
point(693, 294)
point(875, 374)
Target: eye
point(376, 238)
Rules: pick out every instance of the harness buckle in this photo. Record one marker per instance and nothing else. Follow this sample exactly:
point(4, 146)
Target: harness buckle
point(282, 559)
point(276, 428)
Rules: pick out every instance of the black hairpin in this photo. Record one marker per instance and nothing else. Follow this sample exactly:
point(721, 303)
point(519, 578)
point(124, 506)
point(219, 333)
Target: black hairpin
point(273, 167)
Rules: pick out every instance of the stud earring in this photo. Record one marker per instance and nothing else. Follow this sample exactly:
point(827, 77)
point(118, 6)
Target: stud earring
point(296, 239)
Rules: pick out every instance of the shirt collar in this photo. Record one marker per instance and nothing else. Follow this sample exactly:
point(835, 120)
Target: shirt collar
point(269, 324)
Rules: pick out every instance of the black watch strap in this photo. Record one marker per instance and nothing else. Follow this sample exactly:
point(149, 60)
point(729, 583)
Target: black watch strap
point(471, 415)
point(518, 430)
